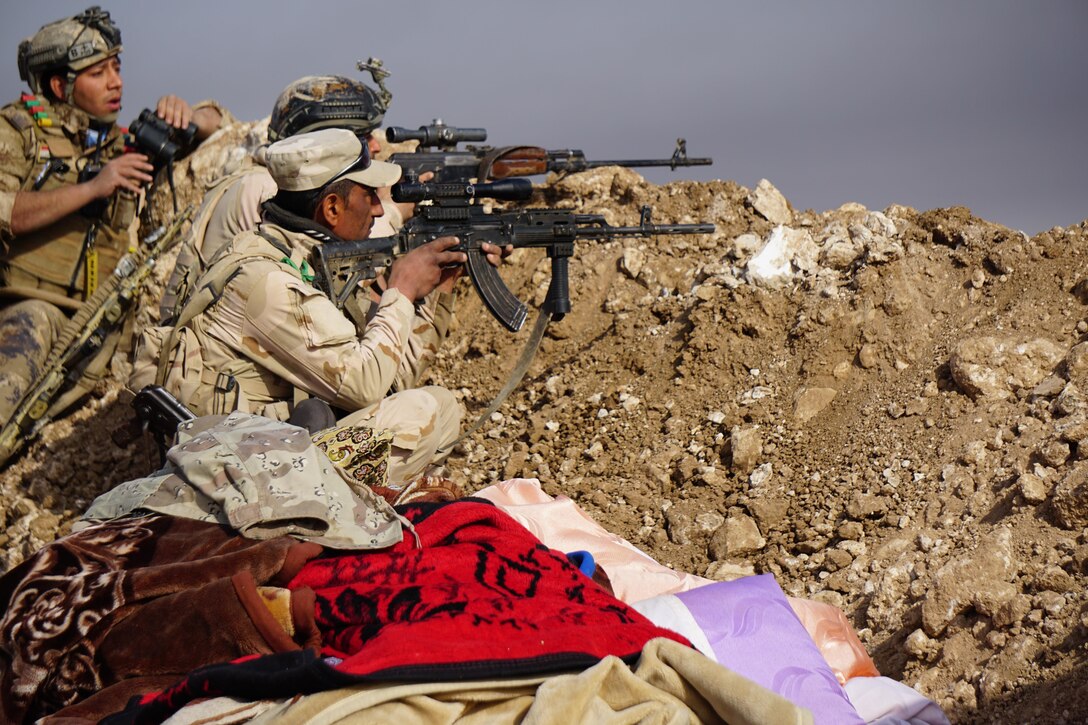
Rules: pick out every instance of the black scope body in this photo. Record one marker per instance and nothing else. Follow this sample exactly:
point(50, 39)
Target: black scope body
point(437, 134)
point(160, 141)
point(505, 190)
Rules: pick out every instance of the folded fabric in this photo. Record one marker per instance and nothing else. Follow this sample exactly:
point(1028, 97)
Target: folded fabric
point(835, 638)
point(748, 626)
point(131, 605)
point(670, 683)
point(263, 478)
point(562, 524)
point(884, 701)
point(362, 452)
point(635, 576)
point(479, 597)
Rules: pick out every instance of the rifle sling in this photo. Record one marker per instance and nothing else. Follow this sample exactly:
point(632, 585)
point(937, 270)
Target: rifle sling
point(526, 357)
point(85, 313)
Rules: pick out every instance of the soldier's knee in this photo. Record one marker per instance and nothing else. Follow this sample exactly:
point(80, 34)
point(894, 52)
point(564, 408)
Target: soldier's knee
point(447, 408)
point(28, 328)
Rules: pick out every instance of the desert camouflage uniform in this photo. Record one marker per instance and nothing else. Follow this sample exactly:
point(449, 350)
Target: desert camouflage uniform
point(45, 262)
point(271, 333)
point(230, 207)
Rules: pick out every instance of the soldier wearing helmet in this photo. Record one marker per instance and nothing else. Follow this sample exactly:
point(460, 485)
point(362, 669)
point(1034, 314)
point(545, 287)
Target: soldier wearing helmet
point(257, 332)
point(233, 205)
point(67, 189)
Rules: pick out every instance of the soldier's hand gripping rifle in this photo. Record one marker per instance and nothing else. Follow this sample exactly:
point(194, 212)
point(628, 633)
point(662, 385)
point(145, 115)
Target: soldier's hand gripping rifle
point(82, 340)
point(341, 265)
point(438, 153)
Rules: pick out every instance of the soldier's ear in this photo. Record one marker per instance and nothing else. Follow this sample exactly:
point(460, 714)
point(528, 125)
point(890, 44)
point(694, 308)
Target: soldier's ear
point(329, 209)
point(57, 85)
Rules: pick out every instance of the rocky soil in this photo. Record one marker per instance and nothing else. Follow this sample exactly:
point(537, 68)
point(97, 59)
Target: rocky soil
point(884, 409)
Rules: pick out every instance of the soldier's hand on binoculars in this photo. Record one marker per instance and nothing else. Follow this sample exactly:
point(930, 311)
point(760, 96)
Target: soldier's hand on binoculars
point(127, 171)
point(175, 111)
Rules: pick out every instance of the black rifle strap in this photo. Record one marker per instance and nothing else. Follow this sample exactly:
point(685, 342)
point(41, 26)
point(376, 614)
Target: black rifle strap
point(527, 354)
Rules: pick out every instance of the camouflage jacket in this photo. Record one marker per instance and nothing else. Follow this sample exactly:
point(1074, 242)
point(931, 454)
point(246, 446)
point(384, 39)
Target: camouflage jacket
point(271, 332)
point(46, 144)
point(230, 207)
point(261, 478)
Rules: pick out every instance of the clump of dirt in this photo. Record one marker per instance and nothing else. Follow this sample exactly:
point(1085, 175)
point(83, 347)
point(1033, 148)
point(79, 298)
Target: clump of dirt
point(884, 409)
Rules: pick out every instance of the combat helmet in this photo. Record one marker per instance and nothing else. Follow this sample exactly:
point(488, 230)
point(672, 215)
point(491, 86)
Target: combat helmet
point(316, 102)
point(68, 45)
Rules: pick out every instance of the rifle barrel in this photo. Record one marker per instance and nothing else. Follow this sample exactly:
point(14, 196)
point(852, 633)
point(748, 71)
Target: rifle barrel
point(646, 231)
point(673, 163)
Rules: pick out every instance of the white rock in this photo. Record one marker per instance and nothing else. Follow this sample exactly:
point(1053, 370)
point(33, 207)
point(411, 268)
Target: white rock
point(632, 261)
point(760, 476)
point(770, 203)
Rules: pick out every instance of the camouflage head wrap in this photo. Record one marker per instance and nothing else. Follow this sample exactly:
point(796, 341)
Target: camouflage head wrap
point(262, 478)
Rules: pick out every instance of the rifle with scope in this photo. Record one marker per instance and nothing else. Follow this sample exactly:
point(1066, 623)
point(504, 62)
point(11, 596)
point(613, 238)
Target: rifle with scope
point(438, 153)
point(340, 266)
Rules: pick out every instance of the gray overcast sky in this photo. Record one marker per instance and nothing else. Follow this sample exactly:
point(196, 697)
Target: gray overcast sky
point(928, 103)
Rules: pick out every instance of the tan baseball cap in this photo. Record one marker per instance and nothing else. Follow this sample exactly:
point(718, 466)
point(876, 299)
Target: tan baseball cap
point(314, 160)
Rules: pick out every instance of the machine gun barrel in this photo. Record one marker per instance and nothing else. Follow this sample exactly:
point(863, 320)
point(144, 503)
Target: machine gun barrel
point(487, 163)
point(572, 160)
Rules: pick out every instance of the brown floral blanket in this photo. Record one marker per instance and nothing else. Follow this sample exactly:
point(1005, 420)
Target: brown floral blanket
point(131, 605)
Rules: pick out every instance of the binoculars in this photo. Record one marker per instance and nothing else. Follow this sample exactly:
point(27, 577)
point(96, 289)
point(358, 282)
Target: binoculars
point(158, 140)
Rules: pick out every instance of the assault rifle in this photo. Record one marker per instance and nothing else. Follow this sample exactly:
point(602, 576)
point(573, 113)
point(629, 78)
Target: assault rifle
point(341, 265)
point(83, 339)
point(160, 414)
point(438, 153)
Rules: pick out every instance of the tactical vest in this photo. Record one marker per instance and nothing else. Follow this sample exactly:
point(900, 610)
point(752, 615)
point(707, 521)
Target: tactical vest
point(54, 258)
point(172, 356)
point(191, 261)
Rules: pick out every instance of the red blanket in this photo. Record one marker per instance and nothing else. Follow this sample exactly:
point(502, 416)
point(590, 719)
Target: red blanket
point(481, 598)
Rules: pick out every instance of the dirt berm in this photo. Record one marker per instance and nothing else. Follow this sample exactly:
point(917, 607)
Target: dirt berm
point(884, 409)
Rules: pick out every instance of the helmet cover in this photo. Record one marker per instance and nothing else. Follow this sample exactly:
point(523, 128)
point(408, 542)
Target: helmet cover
point(316, 102)
point(73, 43)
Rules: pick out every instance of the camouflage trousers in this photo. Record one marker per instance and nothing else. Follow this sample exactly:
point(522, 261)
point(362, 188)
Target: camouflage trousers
point(27, 332)
point(424, 422)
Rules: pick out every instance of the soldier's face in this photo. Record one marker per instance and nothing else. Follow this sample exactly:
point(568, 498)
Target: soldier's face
point(97, 89)
point(373, 144)
point(363, 207)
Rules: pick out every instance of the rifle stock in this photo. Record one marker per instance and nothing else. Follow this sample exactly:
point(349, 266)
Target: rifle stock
point(160, 414)
point(82, 340)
